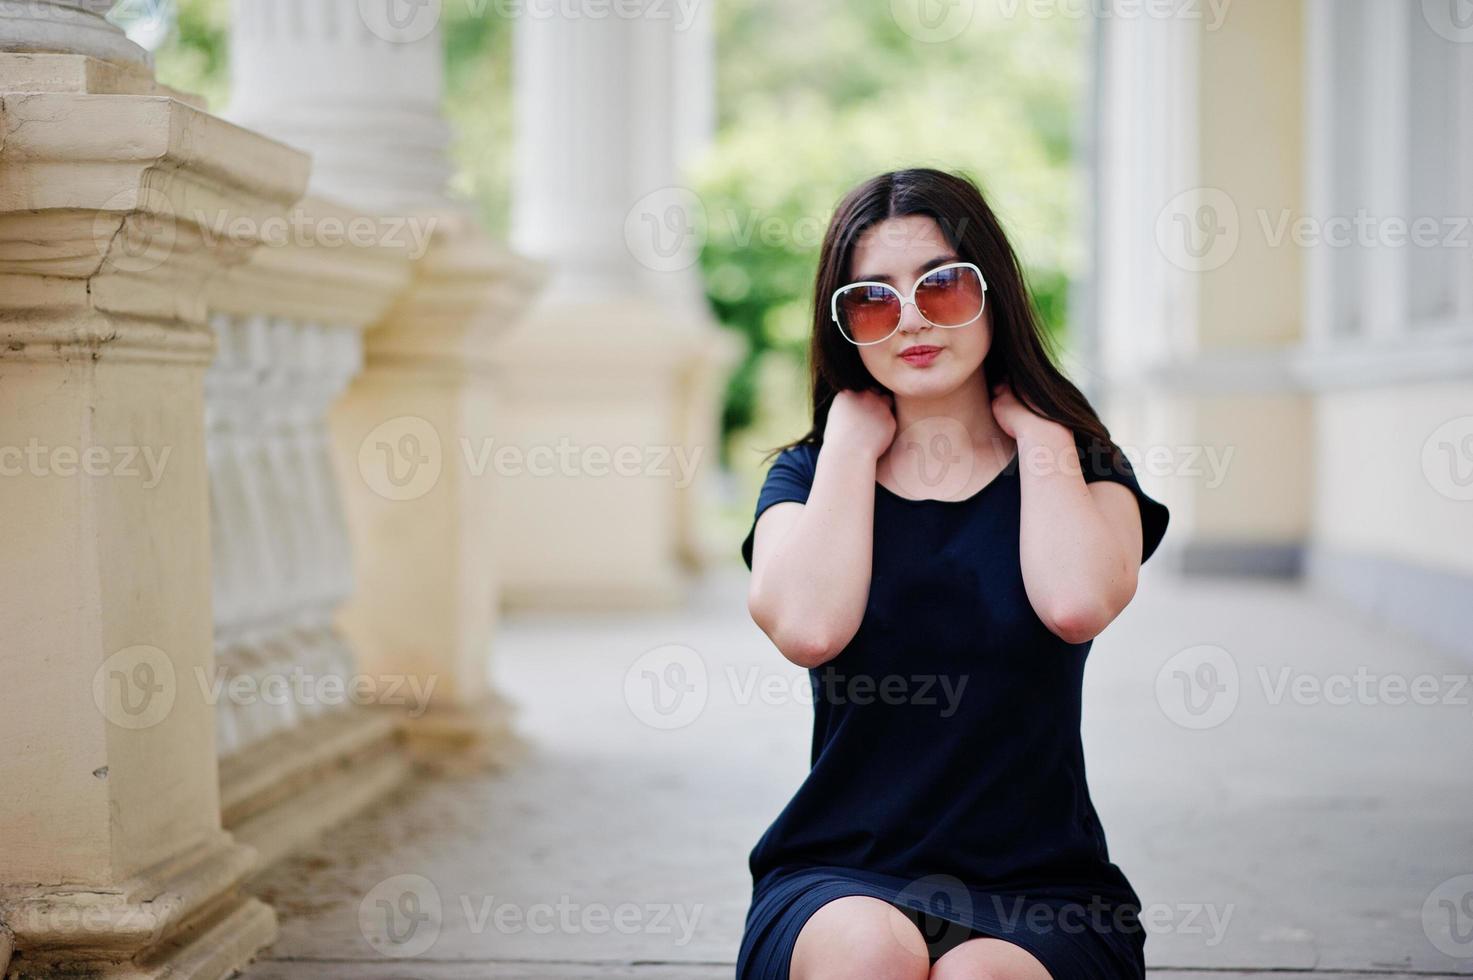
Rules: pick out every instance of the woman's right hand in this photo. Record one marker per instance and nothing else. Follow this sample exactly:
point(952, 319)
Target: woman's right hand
point(861, 421)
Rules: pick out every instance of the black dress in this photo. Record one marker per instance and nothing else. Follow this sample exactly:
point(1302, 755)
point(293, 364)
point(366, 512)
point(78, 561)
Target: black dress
point(947, 772)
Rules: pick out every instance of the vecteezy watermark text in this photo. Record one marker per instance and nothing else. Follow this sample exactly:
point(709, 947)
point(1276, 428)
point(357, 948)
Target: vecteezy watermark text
point(126, 462)
point(403, 917)
point(1211, 12)
point(299, 687)
point(402, 459)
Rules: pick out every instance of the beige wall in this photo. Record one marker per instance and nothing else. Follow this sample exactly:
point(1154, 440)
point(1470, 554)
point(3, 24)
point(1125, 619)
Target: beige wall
point(1373, 494)
point(1250, 134)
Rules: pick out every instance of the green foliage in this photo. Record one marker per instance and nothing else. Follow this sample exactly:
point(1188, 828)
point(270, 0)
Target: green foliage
point(815, 97)
point(478, 103)
point(812, 98)
point(196, 57)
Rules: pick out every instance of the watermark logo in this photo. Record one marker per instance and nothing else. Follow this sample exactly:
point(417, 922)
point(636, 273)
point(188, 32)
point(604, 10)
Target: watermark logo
point(401, 916)
point(933, 21)
point(941, 900)
point(1447, 917)
point(933, 458)
point(300, 228)
point(565, 917)
point(667, 687)
point(135, 230)
point(1199, 229)
point(1363, 687)
point(135, 687)
point(676, 463)
point(400, 21)
point(666, 229)
point(1098, 915)
point(1450, 19)
point(298, 686)
point(1212, 13)
point(1362, 229)
point(401, 459)
point(143, 463)
point(1198, 688)
point(1447, 458)
point(943, 692)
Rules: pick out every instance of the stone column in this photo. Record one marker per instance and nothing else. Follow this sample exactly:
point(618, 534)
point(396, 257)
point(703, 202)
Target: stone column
point(72, 26)
point(112, 195)
point(1200, 307)
point(614, 377)
point(361, 90)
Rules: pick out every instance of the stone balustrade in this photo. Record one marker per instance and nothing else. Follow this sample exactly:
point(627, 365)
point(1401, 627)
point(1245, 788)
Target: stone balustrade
point(115, 860)
point(282, 562)
point(194, 646)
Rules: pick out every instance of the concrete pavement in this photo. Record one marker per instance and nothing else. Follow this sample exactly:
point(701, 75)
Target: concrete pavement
point(1287, 786)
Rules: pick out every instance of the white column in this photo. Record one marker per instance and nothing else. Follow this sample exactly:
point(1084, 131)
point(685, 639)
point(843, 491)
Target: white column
point(361, 89)
point(1383, 145)
point(330, 76)
point(1199, 310)
point(633, 100)
point(621, 354)
point(66, 26)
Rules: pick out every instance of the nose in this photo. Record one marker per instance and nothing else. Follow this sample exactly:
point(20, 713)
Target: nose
point(910, 318)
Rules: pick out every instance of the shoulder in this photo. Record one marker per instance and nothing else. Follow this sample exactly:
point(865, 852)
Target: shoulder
point(789, 478)
point(795, 466)
point(1107, 462)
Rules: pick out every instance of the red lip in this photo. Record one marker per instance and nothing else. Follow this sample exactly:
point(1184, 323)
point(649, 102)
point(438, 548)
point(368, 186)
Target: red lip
point(920, 353)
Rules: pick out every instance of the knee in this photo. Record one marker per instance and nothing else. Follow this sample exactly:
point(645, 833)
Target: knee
point(858, 936)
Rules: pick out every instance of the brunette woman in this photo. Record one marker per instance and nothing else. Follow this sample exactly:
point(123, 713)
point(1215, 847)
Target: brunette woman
point(940, 549)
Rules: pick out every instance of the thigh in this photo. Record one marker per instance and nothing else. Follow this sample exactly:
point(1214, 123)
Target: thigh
point(997, 959)
point(859, 936)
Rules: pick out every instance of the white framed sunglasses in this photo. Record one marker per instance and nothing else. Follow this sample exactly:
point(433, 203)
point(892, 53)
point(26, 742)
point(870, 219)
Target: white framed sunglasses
point(950, 296)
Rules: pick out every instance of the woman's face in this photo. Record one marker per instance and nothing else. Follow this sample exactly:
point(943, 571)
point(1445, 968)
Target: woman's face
point(899, 251)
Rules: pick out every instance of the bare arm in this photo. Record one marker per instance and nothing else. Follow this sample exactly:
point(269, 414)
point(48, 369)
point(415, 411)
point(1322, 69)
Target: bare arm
point(1080, 544)
point(811, 562)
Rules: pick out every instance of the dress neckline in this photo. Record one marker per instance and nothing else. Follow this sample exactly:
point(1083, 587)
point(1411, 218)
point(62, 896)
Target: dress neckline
point(1010, 467)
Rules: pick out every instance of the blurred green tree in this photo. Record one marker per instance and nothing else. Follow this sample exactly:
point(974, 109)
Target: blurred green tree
point(812, 98)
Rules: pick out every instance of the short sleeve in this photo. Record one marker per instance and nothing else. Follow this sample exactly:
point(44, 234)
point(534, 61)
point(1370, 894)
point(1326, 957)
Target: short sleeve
point(1097, 464)
point(789, 478)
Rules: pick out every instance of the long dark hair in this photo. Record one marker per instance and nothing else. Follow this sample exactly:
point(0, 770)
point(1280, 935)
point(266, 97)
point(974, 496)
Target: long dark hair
point(1021, 353)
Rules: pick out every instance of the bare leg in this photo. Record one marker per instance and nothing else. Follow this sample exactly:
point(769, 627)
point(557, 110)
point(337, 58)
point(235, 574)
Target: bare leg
point(857, 936)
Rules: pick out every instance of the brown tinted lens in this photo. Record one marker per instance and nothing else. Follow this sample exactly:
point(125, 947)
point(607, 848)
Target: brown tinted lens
point(868, 313)
point(950, 297)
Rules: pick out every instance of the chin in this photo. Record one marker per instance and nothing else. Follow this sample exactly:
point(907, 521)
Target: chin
point(925, 384)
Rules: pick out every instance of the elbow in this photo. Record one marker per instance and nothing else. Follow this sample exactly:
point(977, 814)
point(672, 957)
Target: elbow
point(1081, 620)
point(1077, 622)
point(803, 645)
point(806, 649)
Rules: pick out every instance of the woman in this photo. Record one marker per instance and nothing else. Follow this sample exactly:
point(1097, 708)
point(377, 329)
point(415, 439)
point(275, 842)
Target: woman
point(940, 550)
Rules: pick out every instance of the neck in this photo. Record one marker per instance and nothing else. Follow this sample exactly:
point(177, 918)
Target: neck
point(971, 406)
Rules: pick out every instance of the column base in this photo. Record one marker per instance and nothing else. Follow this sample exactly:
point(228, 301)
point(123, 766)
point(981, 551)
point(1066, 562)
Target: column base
point(606, 442)
point(650, 592)
point(458, 740)
point(281, 793)
point(184, 919)
point(1241, 558)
